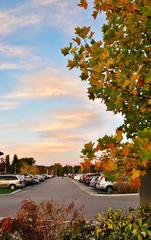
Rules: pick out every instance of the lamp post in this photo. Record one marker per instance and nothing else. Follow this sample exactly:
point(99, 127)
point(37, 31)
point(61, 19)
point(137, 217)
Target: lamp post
point(1, 153)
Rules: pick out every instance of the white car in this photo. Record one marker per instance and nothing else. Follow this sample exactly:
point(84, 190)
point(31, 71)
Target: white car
point(105, 185)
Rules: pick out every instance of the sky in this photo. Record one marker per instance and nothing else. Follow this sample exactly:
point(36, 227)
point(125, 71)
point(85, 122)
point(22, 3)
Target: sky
point(44, 109)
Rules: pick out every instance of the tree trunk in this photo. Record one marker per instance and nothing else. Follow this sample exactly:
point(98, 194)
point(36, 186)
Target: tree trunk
point(145, 188)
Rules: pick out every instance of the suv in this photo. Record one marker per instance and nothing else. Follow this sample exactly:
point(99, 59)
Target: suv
point(105, 185)
point(11, 181)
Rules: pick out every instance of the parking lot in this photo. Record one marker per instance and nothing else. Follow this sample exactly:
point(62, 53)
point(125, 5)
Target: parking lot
point(65, 191)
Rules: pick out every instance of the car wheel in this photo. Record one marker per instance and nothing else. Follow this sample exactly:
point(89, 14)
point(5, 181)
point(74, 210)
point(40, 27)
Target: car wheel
point(12, 187)
point(109, 189)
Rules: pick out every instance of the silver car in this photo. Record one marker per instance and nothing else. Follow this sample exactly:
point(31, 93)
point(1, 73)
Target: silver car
point(11, 181)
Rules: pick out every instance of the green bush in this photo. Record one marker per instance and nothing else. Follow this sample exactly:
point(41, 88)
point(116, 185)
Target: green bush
point(120, 225)
point(51, 221)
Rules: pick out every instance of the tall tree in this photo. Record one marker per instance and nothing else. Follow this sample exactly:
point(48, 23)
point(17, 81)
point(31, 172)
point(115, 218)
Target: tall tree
point(7, 164)
point(15, 166)
point(118, 67)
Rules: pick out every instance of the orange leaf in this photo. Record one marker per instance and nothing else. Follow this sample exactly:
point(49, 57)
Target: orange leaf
point(83, 3)
point(132, 7)
point(142, 110)
point(136, 183)
point(77, 40)
point(134, 92)
point(126, 151)
point(135, 174)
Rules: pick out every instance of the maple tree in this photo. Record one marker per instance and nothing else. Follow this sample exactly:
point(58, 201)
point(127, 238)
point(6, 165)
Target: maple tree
point(88, 155)
point(118, 70)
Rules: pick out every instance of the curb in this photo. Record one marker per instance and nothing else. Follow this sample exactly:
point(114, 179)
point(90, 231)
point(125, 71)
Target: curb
point(105, 195)
point(7, 194)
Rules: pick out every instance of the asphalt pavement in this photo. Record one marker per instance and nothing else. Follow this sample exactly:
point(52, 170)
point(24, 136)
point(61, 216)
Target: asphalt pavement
point(65, 191)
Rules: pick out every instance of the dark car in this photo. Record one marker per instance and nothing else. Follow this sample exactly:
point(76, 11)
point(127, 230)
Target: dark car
point(88, 177)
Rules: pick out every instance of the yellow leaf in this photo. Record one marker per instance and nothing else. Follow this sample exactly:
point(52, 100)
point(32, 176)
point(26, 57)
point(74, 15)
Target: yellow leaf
point(71, 64)
point(144, 163)
point(118, 135)
point(135, 174)
point(110, 62)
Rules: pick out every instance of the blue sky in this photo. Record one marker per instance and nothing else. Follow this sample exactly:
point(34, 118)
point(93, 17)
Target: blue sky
point(44, 109)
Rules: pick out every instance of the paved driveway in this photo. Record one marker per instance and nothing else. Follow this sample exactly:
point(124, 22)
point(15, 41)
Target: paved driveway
point(65, 190)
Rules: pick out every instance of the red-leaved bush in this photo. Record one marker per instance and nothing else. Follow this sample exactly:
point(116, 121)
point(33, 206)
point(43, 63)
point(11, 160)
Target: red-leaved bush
point(46, 221)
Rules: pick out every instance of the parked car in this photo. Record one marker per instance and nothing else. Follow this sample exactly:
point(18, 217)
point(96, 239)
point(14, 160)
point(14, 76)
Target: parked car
point(11, 181)
point(90, 177)
point(105, 185)
point(78, 176)
point(93, 181)
point(41, 178)
point(35, 181)
point(28, 179)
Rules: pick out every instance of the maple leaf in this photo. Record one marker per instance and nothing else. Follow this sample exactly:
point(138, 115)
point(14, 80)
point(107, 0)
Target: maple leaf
point(126, 151)
point(71, 64)
point(135, 92)
point(135, 174)
point(136, 183)
point(140, 83)
point(83, 4)
point(118, 135)
point(77, 40)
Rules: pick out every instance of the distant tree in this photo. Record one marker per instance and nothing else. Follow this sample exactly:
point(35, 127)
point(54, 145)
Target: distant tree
point(58, 169)
point(30, 161)
point(28, 169)
point(7, 164)
point(2, 165)
point(77, 169)
point(15, 166)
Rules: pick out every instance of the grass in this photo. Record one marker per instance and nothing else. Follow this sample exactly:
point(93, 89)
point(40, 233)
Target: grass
point(6, 190)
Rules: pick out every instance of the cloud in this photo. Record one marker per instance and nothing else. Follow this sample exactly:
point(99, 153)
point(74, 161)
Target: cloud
point(7, 105)
point(13, 51)
point(44, 2)
point(40, 13)
point(9, 66)
point(11, 20)
point(43, 86)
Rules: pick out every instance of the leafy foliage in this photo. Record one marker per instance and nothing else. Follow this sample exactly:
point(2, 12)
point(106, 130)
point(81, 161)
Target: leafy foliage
point(119, 225)
point(50, 221)
point(46, 221)
point(118, 68)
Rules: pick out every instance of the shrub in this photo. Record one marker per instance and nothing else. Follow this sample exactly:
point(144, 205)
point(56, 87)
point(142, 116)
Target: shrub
point(115, 225)
point(126, 187)
point(51, 221)
point(46, 221)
